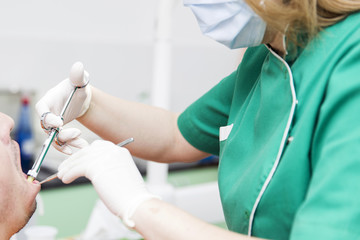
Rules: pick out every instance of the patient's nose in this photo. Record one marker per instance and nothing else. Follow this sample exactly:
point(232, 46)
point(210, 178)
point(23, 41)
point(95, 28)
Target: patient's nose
point(6, 125)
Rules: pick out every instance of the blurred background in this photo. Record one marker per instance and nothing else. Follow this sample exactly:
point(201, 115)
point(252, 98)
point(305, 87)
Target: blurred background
point(40, 40)
point(115, 39)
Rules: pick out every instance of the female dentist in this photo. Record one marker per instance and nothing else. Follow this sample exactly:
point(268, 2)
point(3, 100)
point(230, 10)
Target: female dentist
point(285, 124)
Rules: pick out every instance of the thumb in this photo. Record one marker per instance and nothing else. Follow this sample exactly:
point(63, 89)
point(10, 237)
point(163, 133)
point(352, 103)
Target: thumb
point(78, 76)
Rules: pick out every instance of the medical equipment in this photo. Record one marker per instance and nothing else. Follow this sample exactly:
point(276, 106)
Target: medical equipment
point(53, 176)
point(34, 171)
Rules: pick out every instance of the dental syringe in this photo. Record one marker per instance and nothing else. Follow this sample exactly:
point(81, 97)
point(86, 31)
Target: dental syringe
point(78, 83)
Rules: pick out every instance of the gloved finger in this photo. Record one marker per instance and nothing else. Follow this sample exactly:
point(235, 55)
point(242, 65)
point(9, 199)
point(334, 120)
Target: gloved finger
point(66, 148)
point(78, 143)
point(69, 175)
point(49, 120)
point(83, 156)
point(63, 138)
point(68, 138)
point(78, 76)
point(53, 121)
point(67, 134)
point(72, 160)
point(73, 167)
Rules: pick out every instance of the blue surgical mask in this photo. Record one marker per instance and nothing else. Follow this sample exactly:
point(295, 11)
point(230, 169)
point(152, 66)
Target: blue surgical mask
point(230, 22)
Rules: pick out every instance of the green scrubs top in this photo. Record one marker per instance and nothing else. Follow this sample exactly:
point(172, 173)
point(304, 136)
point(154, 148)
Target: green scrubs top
point(288, 136)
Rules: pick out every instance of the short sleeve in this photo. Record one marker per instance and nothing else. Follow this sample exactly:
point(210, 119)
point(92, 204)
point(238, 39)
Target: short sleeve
point(331, 209)
point(200, 122)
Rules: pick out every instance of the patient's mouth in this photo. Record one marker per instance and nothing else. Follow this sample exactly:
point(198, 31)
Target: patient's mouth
point(34, 181)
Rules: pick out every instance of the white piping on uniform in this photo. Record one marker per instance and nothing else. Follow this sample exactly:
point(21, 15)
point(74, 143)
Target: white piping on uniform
point(282, 144)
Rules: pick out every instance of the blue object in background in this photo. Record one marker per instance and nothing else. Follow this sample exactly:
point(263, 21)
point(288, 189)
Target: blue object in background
point(24, 135)
point(211, 160)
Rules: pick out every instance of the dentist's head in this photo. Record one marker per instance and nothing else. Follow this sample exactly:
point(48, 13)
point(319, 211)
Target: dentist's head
point(247, 23)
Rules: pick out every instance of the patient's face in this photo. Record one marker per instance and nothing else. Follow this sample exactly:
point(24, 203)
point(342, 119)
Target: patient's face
point(17, 195)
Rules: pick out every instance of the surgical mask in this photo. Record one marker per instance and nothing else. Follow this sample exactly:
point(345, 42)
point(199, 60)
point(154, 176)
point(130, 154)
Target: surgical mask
point(230, 22)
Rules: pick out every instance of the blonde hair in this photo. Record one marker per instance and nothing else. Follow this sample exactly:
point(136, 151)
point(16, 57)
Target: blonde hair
point(303, 18)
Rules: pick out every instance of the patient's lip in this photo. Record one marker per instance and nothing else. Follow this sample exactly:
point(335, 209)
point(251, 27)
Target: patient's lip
point(34, 181)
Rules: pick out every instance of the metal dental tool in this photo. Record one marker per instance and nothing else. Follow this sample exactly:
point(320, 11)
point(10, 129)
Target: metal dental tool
point(127, 141)
point(34, 171)
point(53, 176)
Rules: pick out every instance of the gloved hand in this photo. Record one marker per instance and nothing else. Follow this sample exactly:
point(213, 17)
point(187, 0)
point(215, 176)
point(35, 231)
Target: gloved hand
point(114, 175)
point(69, 138)
point(51, 104)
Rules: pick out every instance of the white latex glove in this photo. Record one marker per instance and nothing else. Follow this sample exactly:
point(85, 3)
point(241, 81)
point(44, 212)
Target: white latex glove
point(52, 103)
point(54, 100)
point(114, 175)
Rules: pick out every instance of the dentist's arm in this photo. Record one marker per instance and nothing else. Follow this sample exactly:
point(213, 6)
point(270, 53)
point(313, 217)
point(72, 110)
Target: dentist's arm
point(156, 219)
point(120, 186)
point(155, 130)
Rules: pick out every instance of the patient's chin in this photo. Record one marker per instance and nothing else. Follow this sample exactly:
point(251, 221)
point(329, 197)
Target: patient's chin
point(32, 210)
point(28, 216)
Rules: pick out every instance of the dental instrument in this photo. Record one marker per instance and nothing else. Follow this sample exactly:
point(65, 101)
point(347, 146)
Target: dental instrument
point(53, 176)
point(34, 171)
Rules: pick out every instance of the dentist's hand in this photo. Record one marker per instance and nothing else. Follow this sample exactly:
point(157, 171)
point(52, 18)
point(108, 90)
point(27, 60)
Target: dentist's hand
point(51, 104)
point(114, 175)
